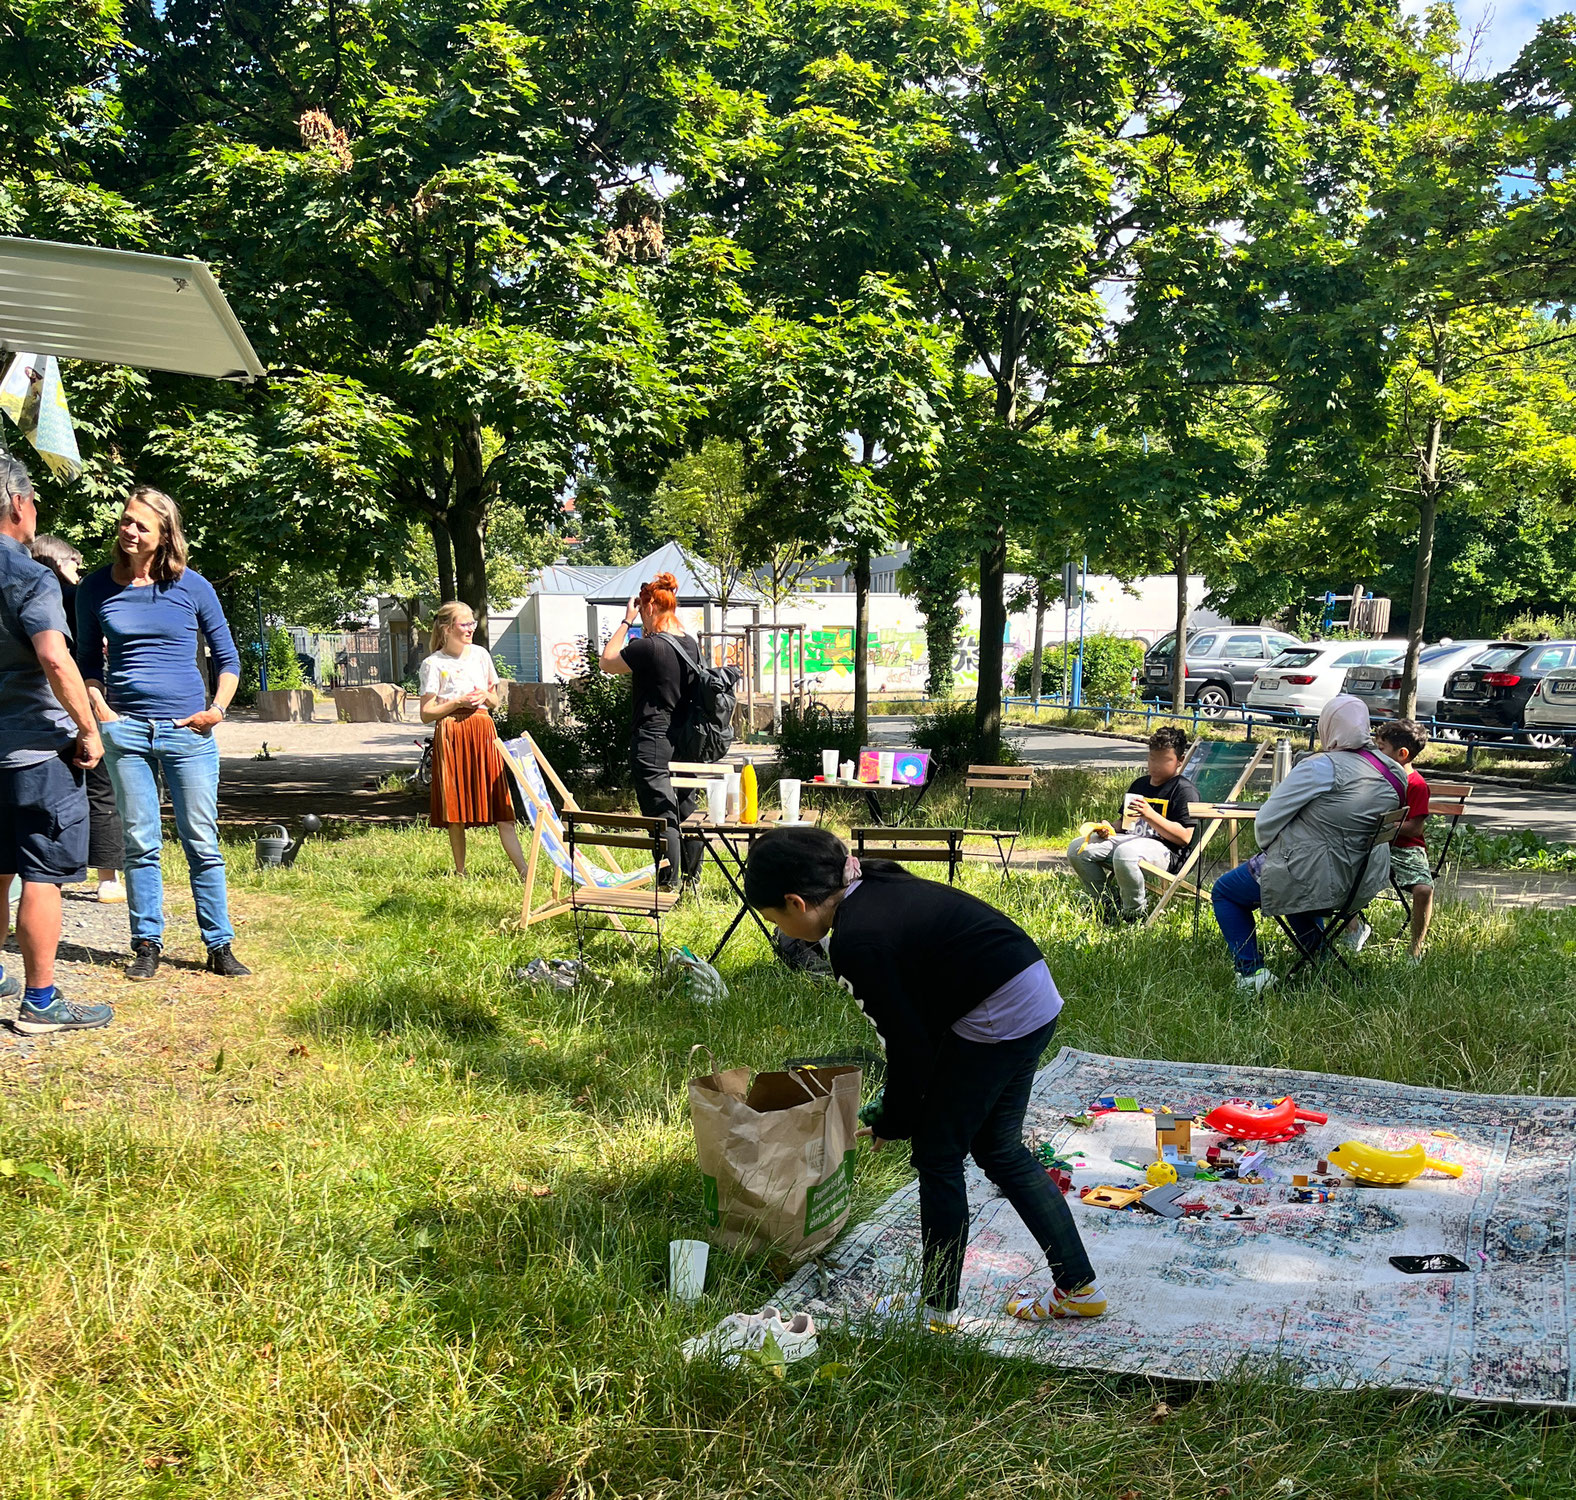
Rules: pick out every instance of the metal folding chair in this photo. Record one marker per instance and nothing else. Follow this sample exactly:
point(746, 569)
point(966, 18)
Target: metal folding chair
point(999, 782)
point(648, 836)
point(1325, 941)
point(911, 846)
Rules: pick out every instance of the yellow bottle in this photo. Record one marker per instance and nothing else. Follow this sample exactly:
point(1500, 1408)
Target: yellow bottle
point(749, 795)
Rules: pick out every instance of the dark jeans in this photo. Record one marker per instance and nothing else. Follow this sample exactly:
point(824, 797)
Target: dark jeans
point(106, 844)
point(1235, 897)
point(658, 799)
point(976, 1108)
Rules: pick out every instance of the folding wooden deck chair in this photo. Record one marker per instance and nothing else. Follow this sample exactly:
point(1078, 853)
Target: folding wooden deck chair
point(531, 772)
point(619, 902)
point(1326, 941)
point(1220, 769)
point(999, 782)
point(911, 846)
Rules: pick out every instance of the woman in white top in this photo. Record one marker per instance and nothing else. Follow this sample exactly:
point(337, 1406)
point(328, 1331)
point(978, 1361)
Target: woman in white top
point(470, 788)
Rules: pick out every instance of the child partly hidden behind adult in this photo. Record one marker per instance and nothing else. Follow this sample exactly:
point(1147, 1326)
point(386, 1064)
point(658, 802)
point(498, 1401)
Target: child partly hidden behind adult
point(965, 1006)
point(1156, 829)
point(1403, 741)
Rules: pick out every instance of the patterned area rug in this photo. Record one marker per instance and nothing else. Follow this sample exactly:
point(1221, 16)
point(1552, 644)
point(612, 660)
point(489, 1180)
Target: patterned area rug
point(1304, 1291)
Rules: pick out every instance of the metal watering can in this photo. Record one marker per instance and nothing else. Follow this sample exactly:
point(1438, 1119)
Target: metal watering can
point(276, 849)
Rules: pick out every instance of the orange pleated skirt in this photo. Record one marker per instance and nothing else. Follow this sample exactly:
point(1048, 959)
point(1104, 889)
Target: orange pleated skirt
point(469, 783)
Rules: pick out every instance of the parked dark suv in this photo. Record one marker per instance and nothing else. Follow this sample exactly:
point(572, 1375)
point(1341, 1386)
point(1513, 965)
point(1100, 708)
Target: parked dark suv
point(1220, 665)
point(1492, 693)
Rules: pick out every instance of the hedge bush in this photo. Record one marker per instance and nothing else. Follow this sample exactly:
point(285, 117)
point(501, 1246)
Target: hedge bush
point(1109, 664)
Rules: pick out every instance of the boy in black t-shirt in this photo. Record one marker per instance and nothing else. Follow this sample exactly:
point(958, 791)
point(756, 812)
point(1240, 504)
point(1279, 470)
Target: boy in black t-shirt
point(1155, 829)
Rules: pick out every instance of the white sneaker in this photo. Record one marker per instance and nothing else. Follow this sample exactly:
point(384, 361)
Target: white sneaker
point(112, 893)
point(795, 1334)
point(736, 1332)
point(1357, 933)
point(910, 1307)
point(1255, 983)
point(746, 1333)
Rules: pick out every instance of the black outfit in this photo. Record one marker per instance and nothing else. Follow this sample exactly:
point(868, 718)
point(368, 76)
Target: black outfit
point(1170, 799)
point(917, 956)
point(660, 681)
point(106, 837)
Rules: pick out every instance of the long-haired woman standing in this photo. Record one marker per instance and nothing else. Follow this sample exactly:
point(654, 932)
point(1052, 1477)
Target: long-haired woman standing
point(137, 625)
point(662, 662)
point(470, 788)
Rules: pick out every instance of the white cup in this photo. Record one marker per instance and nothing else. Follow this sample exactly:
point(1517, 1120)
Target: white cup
point(847, 773)
point(788, 792)
point(829, 764)
point(734, 793)
point(885, 759)
point(717, 800)
point(687, 1268)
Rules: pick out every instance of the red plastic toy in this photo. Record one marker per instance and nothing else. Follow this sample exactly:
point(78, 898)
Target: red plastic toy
point(1243, 1122)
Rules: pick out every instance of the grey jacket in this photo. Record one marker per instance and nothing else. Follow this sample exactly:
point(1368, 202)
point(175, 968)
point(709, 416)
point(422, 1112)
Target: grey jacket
point(1317, 825)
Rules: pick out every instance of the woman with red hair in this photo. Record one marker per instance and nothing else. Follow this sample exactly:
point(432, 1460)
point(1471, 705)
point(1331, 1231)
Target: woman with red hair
point(662, 662)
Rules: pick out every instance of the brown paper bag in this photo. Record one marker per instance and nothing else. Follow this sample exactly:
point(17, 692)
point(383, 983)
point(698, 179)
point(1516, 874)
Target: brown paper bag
point(776, 1155)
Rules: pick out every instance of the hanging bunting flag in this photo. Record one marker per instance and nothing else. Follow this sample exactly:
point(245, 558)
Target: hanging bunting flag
point(32, 395)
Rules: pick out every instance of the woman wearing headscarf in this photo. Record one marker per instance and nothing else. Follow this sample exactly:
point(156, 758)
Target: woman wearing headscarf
point(1314, 831)
point(662, 662)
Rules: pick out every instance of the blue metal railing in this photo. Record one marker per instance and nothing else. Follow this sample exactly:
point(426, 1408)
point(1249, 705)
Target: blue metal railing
point(1473, 736)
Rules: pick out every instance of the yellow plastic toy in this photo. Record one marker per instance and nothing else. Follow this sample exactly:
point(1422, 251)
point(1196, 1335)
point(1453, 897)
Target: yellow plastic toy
point(1160, 1173)
point(749, 794)
point(1387, 1168)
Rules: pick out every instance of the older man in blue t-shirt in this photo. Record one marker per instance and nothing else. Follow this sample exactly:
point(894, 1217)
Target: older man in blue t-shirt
point(43, 802)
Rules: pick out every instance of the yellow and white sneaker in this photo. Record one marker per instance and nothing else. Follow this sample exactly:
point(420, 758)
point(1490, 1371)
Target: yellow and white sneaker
point(908, 1307)
point(112, 893)
point(1086, 1302)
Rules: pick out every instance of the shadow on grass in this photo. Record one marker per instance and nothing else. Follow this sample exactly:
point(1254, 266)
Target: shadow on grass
point(396, 1006)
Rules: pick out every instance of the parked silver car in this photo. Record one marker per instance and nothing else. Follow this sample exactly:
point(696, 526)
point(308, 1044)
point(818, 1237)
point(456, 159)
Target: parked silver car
point(1378, 684)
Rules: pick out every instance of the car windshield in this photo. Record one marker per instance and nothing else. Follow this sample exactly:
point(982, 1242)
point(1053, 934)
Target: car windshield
point(1299, 656)
point(1499, 657)
point(1435, 653)
point(1161, 650)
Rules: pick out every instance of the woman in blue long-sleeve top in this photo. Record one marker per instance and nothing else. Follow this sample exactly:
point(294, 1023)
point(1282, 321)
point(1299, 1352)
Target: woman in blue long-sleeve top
point(146, 609)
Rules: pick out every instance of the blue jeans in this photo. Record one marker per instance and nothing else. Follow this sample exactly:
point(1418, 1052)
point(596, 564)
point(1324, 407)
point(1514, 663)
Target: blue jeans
point(975, 1108)
point(189, 762)
point(1235, 897)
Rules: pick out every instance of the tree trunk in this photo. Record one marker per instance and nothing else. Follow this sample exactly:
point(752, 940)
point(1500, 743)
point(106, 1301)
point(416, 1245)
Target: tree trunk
point(993, 568)
point(467, 520)
point(1422, 572)
point(470, 565)
point(862, 643)
point(445, 555)
point(1039, 644)
point(993, 627)
point(413, 651)
point(1179, 656)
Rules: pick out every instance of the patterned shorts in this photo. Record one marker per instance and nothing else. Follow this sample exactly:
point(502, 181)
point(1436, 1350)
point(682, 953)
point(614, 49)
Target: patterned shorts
point(1409, 867)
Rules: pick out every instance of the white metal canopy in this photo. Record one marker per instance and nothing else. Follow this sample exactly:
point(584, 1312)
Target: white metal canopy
point(119, 307)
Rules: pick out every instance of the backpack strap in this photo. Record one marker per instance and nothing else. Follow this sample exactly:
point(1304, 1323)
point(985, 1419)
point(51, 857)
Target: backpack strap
point(684, 655)
point(1396, 785)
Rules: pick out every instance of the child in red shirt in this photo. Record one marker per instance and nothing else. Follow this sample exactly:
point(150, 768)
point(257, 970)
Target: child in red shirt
point(1403, 741)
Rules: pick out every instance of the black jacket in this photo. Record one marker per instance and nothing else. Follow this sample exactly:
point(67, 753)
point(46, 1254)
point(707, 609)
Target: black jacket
point(917, 956)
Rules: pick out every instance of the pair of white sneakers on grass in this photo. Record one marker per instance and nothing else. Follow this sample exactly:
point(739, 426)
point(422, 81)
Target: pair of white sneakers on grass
point(743, 1334)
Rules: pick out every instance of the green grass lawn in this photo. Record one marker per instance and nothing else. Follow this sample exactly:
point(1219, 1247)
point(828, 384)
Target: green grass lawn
point(386, 1221)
